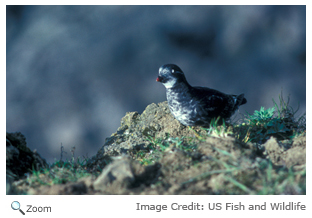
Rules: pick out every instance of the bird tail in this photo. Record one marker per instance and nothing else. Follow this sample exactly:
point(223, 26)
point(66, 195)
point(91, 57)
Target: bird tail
point(240, 100)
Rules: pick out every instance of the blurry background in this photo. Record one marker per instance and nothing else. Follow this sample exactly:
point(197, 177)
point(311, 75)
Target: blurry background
point(74, 71)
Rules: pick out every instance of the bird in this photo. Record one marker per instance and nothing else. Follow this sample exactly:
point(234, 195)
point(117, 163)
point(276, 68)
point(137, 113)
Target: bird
point(195, 106)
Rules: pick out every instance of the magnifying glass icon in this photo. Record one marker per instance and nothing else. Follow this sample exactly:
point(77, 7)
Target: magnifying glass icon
point(16, 206)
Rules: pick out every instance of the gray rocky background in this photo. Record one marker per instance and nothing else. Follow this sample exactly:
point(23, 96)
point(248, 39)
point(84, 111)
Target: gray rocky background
point(74, 71)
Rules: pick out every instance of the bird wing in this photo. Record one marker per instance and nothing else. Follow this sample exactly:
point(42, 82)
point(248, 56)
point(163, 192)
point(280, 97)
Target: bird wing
point(212, 100)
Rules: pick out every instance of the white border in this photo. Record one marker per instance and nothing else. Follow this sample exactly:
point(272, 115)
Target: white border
point(114, 205)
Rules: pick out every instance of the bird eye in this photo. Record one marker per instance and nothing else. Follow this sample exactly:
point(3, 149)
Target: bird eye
point(172, 70)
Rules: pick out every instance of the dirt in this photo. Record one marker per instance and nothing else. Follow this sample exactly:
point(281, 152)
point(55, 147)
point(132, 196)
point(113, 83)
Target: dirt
point(133, 162)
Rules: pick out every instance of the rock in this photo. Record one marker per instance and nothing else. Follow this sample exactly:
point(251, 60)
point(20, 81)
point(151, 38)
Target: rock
point(20, 160)
point(156, 121)
point(296, 155)
point(299, 141)
point(279, 155)
point(273, 150)
point(117, 175)
point(124, 173)
point(77, 188)
point(173, 161)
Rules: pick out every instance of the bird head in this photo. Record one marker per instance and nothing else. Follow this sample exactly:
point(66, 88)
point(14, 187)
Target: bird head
point(170, 75)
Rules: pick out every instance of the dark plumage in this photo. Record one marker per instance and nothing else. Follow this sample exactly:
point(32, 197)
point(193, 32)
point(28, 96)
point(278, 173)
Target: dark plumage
point(195, 106)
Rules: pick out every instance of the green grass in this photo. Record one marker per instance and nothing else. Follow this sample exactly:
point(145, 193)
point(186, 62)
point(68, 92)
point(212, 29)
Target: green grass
point(158, 146)
point(278, 121)
point(282, 180)
point(61, 172)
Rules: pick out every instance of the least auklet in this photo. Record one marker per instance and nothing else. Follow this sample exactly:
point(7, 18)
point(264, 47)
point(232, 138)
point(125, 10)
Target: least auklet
point(195, 106)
